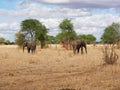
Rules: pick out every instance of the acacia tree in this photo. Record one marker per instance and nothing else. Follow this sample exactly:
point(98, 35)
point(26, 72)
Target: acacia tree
point(29, 27)
point(67, 30)
point(34, 30)
point(111, 33)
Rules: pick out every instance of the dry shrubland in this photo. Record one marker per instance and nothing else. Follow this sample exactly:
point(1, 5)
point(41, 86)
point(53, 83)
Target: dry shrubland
point(55, 68)
point(109, 54)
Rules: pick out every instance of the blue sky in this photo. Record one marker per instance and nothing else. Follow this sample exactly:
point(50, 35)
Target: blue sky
point(5, 4)
point(88, 16)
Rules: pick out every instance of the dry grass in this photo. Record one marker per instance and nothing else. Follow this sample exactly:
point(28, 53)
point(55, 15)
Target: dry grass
point(109, 54)
point(56, 69)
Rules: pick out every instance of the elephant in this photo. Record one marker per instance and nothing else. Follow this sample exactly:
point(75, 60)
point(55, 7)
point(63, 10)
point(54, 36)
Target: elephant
point(31, 46)
point(77, 44)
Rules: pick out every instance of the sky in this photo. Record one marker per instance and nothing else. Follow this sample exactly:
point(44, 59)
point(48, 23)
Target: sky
point(87, 16)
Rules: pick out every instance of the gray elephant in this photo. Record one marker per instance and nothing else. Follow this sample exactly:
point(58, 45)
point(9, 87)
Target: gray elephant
point(79, 44)
point(31, 46)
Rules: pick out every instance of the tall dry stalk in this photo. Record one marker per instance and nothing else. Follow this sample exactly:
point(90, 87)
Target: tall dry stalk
point(109, 54)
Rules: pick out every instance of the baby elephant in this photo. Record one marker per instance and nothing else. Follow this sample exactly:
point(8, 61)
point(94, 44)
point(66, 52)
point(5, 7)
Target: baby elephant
point(31, 46)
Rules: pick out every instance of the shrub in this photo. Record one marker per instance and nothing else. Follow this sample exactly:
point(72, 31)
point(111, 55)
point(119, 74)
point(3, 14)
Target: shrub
point(109, 54)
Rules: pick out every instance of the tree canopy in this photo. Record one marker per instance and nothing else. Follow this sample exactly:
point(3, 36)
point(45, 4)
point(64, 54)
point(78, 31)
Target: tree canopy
point(88, 38)
point(33, 30)
point(41, 35)
point(111, 33)
point(28, 27)
point(67, 29)
point(4, 41)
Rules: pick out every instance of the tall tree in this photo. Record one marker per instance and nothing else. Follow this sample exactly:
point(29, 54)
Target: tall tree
point(34, 30)
point(41, 35)
point(28, 27)
point(110, 34)
point(67, 30)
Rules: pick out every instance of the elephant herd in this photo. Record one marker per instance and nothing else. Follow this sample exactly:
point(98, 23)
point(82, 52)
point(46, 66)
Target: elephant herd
point(76, 45)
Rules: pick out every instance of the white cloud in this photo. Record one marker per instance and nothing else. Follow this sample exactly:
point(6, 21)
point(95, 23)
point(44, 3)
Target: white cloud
point(94, 24)
point(2, 35)
point(85, 21)
point(8, 30)
point(45, 12)
point(57, 1)
point(80, 3)
point(51, 22)
point(96, 20)
point(12, 26)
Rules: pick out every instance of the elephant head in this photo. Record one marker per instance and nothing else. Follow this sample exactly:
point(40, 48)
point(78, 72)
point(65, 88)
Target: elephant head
point(24, 45)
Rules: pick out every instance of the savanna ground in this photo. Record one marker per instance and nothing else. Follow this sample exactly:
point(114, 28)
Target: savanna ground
point(57, 69)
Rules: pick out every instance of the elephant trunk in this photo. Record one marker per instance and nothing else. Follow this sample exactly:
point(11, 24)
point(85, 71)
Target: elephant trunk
point(24, 45)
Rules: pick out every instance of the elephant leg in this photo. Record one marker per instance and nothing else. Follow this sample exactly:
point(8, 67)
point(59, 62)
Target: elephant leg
point(28, 50)
point(81, 50)
point(74, 49)
point(78, 49)
point(85, 49)
point(33, 51)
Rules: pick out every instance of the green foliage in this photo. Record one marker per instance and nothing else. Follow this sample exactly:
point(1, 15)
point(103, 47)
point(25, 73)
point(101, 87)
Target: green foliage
point(116, 26)
point(2, 40)
point(41, 35)
point(20, 38)
point(89, 38)
point(66, 26)
point(29, 27)
point(110, 34)
point(67, 31)
point(34, 31)
point(60, 37)
point(7, 42)
point(51, 39)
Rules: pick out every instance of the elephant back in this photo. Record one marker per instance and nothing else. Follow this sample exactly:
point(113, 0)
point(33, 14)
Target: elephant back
point(31, 44)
